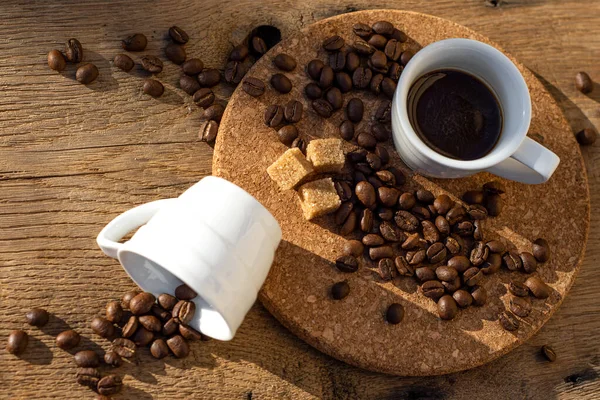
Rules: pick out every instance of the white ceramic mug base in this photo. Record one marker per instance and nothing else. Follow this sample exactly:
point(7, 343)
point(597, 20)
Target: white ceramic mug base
point(215, 237)
point(515, 156)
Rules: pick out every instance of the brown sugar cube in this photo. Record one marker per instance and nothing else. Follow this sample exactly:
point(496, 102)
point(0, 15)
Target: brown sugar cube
point(326, 155)
point(318, 198)
point(290, 169)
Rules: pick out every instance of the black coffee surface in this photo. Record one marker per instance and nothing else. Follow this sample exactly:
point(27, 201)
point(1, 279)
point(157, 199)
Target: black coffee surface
point(455, 114)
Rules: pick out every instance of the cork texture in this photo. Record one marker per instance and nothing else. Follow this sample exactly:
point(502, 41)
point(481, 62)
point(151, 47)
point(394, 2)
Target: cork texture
point(353, 330)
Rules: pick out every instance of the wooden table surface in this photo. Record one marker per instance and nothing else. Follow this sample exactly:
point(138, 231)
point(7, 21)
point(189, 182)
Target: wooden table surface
point(72, 157)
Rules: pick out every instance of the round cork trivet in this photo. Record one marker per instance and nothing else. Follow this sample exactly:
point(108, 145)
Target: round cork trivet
point(354, 330)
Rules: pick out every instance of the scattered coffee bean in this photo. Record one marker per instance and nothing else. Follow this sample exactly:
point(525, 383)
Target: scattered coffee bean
point(87, 359)
point(387, 269)
point(346, 130)
point(383, 28)
point(407, 201)
point(520, 306)
point(406, 221)
point(102, 327)
point(353, 248)
point(239, 53)
point(88, 377)
point(142, 337)
point(327, 77)
point(399, 35)
point(529, 262)
point(183, 312)
point(234, 72)
point(362, 30)
point(541, 250)
point(56, 60)
point(334, 96)
point(365, 193)
point(333, 43)
point(214, 112)
point(340, 290)
point(136, 42)
point(395, 70)
point(355, 109)
point(416, 257)
point(425, 274)
point(421, 213)
point(479, 253)
point(169, 327)
point(377, 253)
point(313, 91)
point(462, 298)
point(494, 187)
point(512, 261)
point(388, 87)
point(67, 339)
point(274, 115)
point(406, 57)
point(87, 73)
point(189, 333)
point(343, 81)
point(151, 323)
point(436, 252)
point(208, 131)
point(492, 264)
point(366, 220)
point(479, 295)
point(586, 137)
point(141, 303)
point(114, 312)
point(447, 307)
point(178, 35)
point(37, 317)
point(293, 111)
point(193, 66)
point(203, 97)
point(124, 62)
point(258, 45)
point(337, 61)
point(175, 53)
point(153, 88)
point(394, 314)
point(113, 359)
point(375, 84)
point(452, 245)
point(393, 49)
point(442, 225)
point(432, 289)
point(160, 313)
point(518, 288)
point(473, 196)
point(493, 203)
point(361, 77)
point(352, 61)
point(583, 82)
point(300, 144)
point(403, 267)
point(178, 346)
point(537, 287)
point(343, 212)
point(388, 196)
point(314, 68)
point(509, 321)
point(189, 84)
point(372, 239)
point(443, 203)
point(287, 134)
point(152, 64)
point(159, 349)
point(549, 353)
point(366, 140)
point(110, 384)
point(209, 77)
point(73, 51)
point(384, 111)
point(184, 292)
point(17, 342)
point(322, 107)
point(472, 276)
point(411, 241)
point(377, 41)
point(124, 347)
point(446, 274)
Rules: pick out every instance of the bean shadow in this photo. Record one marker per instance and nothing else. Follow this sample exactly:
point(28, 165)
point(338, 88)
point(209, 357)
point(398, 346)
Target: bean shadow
point(37, 352)
point(105, 82)
point(595, 93)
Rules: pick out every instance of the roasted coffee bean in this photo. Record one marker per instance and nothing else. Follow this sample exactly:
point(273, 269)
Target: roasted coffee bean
point(88, 377)
point(456, 214)
point(447, 307)
point(234, 72)
point(142, 337)
point(178, 35)
point(124, 347)
point(425, 274)
point(153, 88)
point(365, 193)
point(529, 262)
point(394, 71)
point(406, 56)
point(416, 257)
point(549, 353)
point(361, 77)
point(472, 276)
point(424, 196)
point(113, 359)
point(384, 111)
point(169, 327)
point(353, 248)
point(403, 267)
point(203, 97)
point(421, 213)
point(347, 130)
point(150, 322)
point(159, 349)
point(477, 212)
point(386, 269)
point(366, 220)
point(508, 321)
point(124, 62)
point(462, 298)
point(86, 74)
point(411, 241)
point(366, 140)
point(459, 263)
point(284, 62)
point(479, 253)
point(388, 87)
point(452, 286)
point(258, 45)
point(274, 115)
point(114, 312)
point(388, 196)
point(432, 289)
point(380, 132)
point(214, 112)
point(399, 35)
point(238, 53)
point(183, 312)
point(343, 212)
point(208, 131)
point(130, 327)
point(512, 261)
point(56, 60)
point(337, 61)
point(386, 177)
point(160, 313)
point(406, 221)
point(583, 82)
point(377, 41)
point(314, 68)
point(152, 64)
point(452, 245)
point(518, 288)
point(333, 43)
point(388, 231)
point(443, 203)
point(436, 252)
point(343, 81)
point(343, 190)
point(347, 264)
point(375, 84)
point(430, 232)
point(313, 91)
point(209, 77)
point(537, 287)
point(355, 109)
point(357, 155)
point(352, 61)
point(189, 333)
point(87, 359)
point(473, 197)
point(383, 28)
point(287, 134)
point(394, 314)
point(492, 264)
point(464, 228)
point(73, 51)
point(479, 295)
point(478, 233)
point(141, 303)
point(102, 327)
point(253, 86)
point(378, 59)
point(586, 137)
point(377, 253)
point(393, 49)
point(178, 346)
point(446, 274)
point(442, 225)
point(189, 84)
point(494, 187)
point(520, 306)
point(281, 83)
point(386, 215)
point(493, 204)
point(67, 339)
point(176, 53)
point(334, 96)
point(363, 47)
point(541, 250)
point(293, 111)
point(17, 342)
point(406, 201)
point(349, 225)
point(136, 42)
point(361, 30)
point(110, 384)
point(340, 290)
point(322, 107)
point(37, 317)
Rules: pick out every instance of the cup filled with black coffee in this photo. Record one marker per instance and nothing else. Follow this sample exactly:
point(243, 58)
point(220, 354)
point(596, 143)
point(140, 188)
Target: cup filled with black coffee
point(462, 107)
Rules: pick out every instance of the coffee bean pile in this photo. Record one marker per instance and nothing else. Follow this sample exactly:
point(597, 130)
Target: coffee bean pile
point(73, 53)
point(138, 320)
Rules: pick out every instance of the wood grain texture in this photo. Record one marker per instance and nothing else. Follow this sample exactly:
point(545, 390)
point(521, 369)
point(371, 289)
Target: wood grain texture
point(73, 157)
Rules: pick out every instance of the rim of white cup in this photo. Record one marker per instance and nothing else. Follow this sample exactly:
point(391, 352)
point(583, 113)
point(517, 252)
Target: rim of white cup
point(399, 105)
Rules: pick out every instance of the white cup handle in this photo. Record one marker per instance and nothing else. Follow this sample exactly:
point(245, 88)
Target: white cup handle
point(108, 238)
point(532, 163)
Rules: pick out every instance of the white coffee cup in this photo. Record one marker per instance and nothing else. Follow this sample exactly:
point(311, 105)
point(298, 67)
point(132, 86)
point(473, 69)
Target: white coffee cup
point(515, 156)
point(216, 238)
